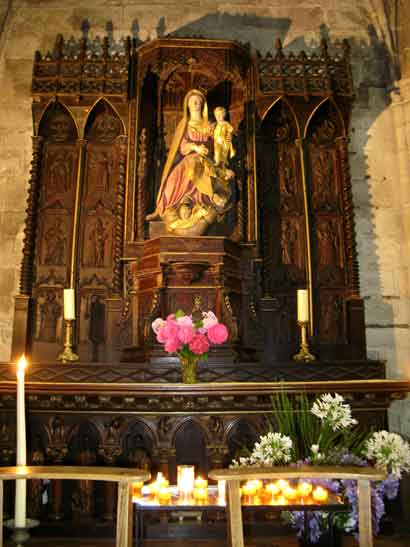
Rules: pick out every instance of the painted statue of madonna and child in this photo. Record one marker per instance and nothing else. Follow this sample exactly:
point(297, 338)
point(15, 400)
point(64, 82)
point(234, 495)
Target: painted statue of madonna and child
point(196, 184)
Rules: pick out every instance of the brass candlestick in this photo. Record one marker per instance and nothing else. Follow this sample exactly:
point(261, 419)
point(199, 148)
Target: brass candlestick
point(304, 353)
point(68, 355)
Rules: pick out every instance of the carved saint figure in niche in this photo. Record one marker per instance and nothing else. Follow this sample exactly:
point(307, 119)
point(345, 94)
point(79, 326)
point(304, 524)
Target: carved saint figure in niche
point(50, 311)
point(289, 238)
point(107, 127)
point(323, 175)
point(97, 237)
point(96, 331)
point(55, 241)
point(194, 192)
point(287, 179)
point(331, 318)
point(60, 128)
point(328, 237)
point(59, 173)
point(102, 165)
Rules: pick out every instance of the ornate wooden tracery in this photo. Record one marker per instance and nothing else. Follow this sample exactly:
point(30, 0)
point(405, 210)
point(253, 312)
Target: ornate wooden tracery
point(293, 203)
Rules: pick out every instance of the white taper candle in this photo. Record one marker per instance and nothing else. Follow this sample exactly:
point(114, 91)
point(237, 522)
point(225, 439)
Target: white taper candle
point(21, 453)
point(303, 305)
point(69, 304)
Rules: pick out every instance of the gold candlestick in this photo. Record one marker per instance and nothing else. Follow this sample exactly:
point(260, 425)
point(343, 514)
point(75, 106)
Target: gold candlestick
point(304, 353)
point(68, 355)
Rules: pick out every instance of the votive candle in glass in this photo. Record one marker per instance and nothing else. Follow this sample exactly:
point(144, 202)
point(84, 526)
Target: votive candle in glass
point(320, 494)
point(164, 494)
point(290, 493)
point(200, 483)
point(186, 479)
point(200, 494)
point(272, 488)
point(304, 489)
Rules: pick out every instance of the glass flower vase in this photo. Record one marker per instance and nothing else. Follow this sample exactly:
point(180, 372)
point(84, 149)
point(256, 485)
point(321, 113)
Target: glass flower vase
point(188, 368)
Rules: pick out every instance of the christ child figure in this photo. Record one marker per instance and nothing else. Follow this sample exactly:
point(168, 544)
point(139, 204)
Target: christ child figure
point(223, 149)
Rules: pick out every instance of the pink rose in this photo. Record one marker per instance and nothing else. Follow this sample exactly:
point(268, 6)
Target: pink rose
point(199, 344)
point(185, 334)
point(171, 317)
point(185, 321)
point(218, 334)
point(158, 324)
point(170, 330)
point(209, 319)
point(172, 345)
point(162, 335)
point(171, 320)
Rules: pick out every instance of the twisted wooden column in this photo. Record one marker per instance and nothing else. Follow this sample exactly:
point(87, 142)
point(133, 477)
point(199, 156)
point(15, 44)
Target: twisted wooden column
point(348, 214)
point(26, 273)
point(141, 191)
point(119, 216)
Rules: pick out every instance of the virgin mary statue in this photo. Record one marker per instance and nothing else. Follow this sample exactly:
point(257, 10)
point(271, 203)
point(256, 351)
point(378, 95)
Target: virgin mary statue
point(194, 192)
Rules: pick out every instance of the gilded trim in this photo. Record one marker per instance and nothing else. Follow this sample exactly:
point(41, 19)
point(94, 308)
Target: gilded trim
point(299, 143)
point(81, 143)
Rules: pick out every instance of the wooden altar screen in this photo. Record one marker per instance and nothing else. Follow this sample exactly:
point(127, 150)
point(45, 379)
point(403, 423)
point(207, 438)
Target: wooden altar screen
point(104, 115)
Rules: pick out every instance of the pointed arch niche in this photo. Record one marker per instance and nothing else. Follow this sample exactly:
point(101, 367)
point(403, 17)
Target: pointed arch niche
point(56, 204)
point(282, 217)
point(324, 131)
point(100, 225)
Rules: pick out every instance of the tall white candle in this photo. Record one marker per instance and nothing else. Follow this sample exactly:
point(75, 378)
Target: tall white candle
point(69, 304)
point(303, 305)
point(21, 454)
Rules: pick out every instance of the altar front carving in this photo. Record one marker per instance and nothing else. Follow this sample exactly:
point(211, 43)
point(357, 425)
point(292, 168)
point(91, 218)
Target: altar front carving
point(238, 232)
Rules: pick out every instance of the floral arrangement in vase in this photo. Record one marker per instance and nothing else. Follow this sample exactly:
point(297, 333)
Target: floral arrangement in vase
point(189, 337)
point(326, 433)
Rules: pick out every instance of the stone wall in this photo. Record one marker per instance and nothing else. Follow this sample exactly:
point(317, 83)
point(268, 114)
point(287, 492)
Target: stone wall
point(380, 125)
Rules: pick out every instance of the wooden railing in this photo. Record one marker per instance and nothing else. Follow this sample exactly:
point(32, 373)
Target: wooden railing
point(363, 476)
point(124, 477)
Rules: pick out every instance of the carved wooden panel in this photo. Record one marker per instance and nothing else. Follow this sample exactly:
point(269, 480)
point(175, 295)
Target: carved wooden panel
point(53, 242)
point(99, 250)
point(327, 225)
point(283, 226)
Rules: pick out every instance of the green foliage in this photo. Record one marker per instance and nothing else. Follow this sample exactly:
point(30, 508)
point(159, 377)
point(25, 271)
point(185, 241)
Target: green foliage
point(292, 416)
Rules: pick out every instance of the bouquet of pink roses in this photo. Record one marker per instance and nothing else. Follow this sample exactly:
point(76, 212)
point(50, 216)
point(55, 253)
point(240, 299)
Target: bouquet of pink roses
point(189, 337)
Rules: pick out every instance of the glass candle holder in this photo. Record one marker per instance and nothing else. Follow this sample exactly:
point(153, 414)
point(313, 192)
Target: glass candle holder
point(304, 489)
point(185, 479)
point(200, 483)
point(200, 494)
point(164, 494)
point(320, 494)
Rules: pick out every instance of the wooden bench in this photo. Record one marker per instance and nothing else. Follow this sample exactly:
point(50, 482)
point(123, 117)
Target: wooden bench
point(363, 476)
point(124, 477)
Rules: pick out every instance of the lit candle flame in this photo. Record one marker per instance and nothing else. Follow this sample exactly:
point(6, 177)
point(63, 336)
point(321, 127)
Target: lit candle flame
point(22, 363)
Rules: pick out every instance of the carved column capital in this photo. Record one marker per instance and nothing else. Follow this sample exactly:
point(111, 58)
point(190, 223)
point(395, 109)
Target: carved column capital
point(57, 453)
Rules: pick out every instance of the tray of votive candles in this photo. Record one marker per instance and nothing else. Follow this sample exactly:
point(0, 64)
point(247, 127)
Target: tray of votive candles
point(191, 492)
point(283, 493)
